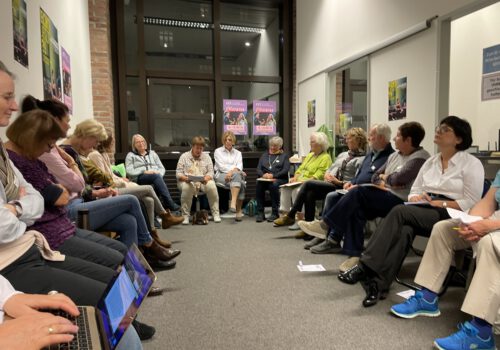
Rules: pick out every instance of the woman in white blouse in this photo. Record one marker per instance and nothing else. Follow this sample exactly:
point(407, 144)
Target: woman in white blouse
point(229, 172)
point(450, 179)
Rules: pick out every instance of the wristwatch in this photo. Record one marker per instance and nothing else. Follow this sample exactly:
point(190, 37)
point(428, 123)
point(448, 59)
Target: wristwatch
point(445, 204)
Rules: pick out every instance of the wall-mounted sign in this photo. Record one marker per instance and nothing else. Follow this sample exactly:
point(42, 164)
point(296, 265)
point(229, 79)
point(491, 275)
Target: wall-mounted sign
point(235, 116)
point(264, 121)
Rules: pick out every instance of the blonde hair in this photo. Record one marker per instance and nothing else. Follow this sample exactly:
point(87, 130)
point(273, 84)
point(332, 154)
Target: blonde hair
point(90, 128)
point(360, 135)
point(226, 134)
point(276, 140)
point(133, 141)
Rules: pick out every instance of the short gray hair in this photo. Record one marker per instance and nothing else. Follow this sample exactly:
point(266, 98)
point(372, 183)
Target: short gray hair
point(3, 68)
point(276, 140)
point(383, 130)
point(321, 139)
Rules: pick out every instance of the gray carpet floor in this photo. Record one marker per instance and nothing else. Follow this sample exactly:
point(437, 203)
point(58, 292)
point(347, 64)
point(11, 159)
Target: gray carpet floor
point(237, 286)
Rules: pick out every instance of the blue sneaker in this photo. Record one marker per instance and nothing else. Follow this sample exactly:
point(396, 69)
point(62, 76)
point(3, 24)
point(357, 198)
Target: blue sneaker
point(466, 338)
point(416, 306)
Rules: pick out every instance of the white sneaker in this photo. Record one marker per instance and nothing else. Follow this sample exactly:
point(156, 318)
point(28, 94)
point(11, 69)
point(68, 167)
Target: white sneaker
point(186, 220)
point(217, 218)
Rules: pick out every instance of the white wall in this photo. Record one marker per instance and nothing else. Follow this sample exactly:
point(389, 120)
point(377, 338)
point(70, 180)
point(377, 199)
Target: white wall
point(330, 31)
point(416, 60)
point(312, 89)
point(469, 36)
point(71, 20)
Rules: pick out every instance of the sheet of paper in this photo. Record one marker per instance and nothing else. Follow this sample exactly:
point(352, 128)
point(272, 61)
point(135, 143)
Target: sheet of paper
point(407, 293)
point(310, 268)
point(462, 216)
point(341, 191)
point(265, 180)
point(421, 203)
point(292, 184)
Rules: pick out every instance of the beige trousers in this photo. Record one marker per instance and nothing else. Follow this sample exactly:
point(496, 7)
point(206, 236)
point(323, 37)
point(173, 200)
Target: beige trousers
point(483, 297)
point(147, 195)
point(287, 197)
point(188, 191)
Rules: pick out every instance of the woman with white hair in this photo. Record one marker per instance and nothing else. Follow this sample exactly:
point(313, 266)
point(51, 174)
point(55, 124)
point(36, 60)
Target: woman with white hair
point(272, 171)
point(145, 167)
point(313, 167)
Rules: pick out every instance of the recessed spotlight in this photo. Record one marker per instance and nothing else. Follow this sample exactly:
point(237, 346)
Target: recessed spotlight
point(165, 45)
point(247, 43)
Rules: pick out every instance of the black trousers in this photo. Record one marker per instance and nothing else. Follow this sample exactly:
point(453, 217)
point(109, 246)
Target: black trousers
point(83, 281)
point(274, 192)
point(310, 191)
point(348, 217)
point(390, 243)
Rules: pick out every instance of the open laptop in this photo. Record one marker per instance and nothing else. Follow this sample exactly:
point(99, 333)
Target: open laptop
point(102, 327)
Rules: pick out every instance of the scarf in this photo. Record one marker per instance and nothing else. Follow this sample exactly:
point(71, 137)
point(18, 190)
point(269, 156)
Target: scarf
point(7, 176)
point(350, 156)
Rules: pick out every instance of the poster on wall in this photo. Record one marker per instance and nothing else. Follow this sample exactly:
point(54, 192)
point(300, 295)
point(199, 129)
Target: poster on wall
point(397, 99)
point(311, 113)
point(264, 121)
point(235, 116)
point(66, 68)
point(50, 58)
point(20, 29)
point(491, 73)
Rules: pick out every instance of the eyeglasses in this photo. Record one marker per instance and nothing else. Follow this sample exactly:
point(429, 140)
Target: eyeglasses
point(442, 129)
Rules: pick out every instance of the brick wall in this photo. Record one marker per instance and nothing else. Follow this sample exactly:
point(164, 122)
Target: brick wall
point(100, 56)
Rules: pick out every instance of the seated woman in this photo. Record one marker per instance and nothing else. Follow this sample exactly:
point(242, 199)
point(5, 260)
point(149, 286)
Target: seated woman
point(389, 187)
point(199, 164)
point(343, 169)
point(145, 167)
point(145, 193)
point(450, 179)
point(482, 300)
point(313, 167)
point(273, 171)
point(229, 172)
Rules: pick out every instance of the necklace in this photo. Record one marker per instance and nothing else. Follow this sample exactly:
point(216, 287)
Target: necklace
point(276, 160)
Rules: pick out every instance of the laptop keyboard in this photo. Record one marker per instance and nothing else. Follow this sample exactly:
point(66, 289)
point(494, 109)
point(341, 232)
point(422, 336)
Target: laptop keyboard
point(82, 340)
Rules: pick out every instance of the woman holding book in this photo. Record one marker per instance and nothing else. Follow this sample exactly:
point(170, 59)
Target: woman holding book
point(272, 171)
point(314, 167)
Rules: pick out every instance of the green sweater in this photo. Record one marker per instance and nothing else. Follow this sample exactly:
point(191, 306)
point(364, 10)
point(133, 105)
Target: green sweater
point(313, 167)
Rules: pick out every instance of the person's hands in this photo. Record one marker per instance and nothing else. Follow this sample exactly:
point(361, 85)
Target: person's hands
point(112, 191)
point(268, 176)
point(64, 155)
point(330, 178)
point(63, 199)
point(206, 178)
point(228, 176)
point(36, 331)
point(475, 231)
point(22, 304)
point(151, 172)
point(184, 178)
point(292, 179)
point(348, 186)
point(101, 193)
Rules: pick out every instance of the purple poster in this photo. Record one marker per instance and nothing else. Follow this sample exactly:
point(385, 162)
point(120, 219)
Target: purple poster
point(235, 116)
point(66, 68)
point(264, 121)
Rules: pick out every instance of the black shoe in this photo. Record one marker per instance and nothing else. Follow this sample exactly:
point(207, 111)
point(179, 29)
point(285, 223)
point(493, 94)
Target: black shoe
point(272, 217)
point(155, 291)
point(353, 275)
point(307, 237)
point(160, 265)
point(143, 330)
point(372, 294)
point(259, 217)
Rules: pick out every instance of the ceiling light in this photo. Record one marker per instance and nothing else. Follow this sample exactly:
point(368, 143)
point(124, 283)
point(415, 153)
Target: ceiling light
point(247, 43)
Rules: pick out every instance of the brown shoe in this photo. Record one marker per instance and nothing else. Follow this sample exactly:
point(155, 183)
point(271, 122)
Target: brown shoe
point(157, 251)
point(167, 219)
point(163, 242)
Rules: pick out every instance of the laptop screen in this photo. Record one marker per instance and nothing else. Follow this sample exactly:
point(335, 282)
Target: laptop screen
point(124, 295)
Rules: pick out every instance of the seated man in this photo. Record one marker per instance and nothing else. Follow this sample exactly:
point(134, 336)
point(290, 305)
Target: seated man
point(483, 297)
point(195, 173)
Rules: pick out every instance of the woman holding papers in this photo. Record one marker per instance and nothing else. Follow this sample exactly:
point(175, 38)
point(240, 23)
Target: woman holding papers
point(272, 171)
point(229, 172)
point(451, 179)
point(342, 170)
point(482, 300)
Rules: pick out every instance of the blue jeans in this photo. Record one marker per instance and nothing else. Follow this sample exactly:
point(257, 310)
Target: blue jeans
point(160, 188)
point(121, 214)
